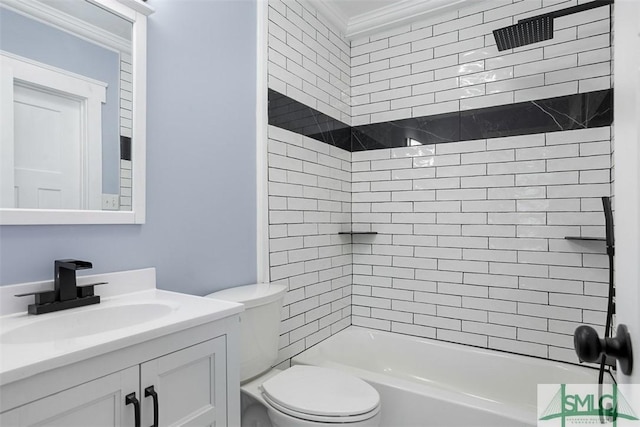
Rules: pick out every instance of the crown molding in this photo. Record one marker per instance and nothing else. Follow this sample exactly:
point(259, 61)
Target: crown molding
point(51, 16)
point(402, 12)
point(139, 6)
point(331, 13)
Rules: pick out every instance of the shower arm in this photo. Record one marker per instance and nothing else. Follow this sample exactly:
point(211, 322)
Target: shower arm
point(571, 10)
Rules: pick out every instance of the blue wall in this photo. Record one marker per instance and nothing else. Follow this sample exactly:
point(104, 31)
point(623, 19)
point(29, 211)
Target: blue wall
point(34, 40)
point(201, 179)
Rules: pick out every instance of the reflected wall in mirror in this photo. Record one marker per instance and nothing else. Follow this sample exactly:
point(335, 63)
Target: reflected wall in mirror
point(67, 104)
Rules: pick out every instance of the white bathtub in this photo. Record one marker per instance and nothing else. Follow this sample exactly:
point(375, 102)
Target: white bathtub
point(425, 382)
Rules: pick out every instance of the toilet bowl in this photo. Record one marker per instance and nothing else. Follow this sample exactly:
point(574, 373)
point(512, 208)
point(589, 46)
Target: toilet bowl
point(308, 396)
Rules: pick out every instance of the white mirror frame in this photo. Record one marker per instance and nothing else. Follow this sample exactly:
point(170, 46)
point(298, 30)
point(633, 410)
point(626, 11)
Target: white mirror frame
point(136, 12)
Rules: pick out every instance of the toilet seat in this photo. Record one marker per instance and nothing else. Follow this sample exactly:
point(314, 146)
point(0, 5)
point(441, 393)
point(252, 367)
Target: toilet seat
point(323, 395)
point(322, 419)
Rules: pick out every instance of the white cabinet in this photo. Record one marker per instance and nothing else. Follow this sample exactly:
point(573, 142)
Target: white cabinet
point(196, 383)
point(190, 386)
point(96, 403)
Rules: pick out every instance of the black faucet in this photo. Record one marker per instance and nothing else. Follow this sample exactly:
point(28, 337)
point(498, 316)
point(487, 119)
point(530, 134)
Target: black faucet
point(66, 293)
point(64, 277)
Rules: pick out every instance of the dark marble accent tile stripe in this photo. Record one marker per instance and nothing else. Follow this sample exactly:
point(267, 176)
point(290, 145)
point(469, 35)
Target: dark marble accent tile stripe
point(579, 111)
point(419, 130)
point(292, 115)
point(125, 148)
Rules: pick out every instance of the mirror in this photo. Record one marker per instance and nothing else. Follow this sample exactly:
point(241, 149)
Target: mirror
point(72, 140)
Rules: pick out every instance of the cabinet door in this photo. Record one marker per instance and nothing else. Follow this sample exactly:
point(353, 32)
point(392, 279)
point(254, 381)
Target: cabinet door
point(98, 403)
point(191, 386)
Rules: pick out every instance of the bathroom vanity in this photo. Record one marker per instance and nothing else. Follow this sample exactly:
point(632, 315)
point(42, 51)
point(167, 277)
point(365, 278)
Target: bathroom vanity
point(142, 356)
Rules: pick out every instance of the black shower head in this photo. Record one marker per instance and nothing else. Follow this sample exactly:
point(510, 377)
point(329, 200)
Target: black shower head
point(537, 28)
point(524, 32)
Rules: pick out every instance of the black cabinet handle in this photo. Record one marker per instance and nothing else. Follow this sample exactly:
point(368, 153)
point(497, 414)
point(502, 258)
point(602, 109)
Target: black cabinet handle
point(131, 399)
point(149, 391)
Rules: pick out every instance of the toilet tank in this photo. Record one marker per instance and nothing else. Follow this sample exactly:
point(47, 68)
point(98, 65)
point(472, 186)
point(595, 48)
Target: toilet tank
point(259, 325)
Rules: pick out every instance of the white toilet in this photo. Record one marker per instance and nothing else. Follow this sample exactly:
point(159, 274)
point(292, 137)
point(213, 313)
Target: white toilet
point(307, 396)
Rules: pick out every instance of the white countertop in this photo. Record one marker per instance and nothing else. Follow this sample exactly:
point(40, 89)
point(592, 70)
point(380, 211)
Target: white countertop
point(22, 357)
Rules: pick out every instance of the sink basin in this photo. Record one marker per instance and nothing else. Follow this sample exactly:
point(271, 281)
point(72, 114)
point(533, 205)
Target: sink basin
point(84, 323)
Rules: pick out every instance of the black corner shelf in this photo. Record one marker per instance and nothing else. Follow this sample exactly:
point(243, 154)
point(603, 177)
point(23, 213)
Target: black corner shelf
point(358, 233)
point(592, 239)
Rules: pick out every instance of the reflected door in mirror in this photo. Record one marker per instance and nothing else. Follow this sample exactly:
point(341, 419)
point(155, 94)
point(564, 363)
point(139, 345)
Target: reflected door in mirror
point(52, 154)
point(47, 165)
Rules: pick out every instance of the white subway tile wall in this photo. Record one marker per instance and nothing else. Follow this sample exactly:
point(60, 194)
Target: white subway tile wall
point(126, 185)
point(452, 64)
point(126, 127)
point(470, 245)
point(481, 258)
point(126, 95)
point(309, 204)
point(308, 59)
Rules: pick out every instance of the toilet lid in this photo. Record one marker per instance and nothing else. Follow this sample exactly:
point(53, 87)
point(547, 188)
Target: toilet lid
point(317, 391)
point(251, 295)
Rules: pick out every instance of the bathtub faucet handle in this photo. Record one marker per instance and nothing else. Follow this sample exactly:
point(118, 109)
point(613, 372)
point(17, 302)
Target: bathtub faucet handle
point(589, 347)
